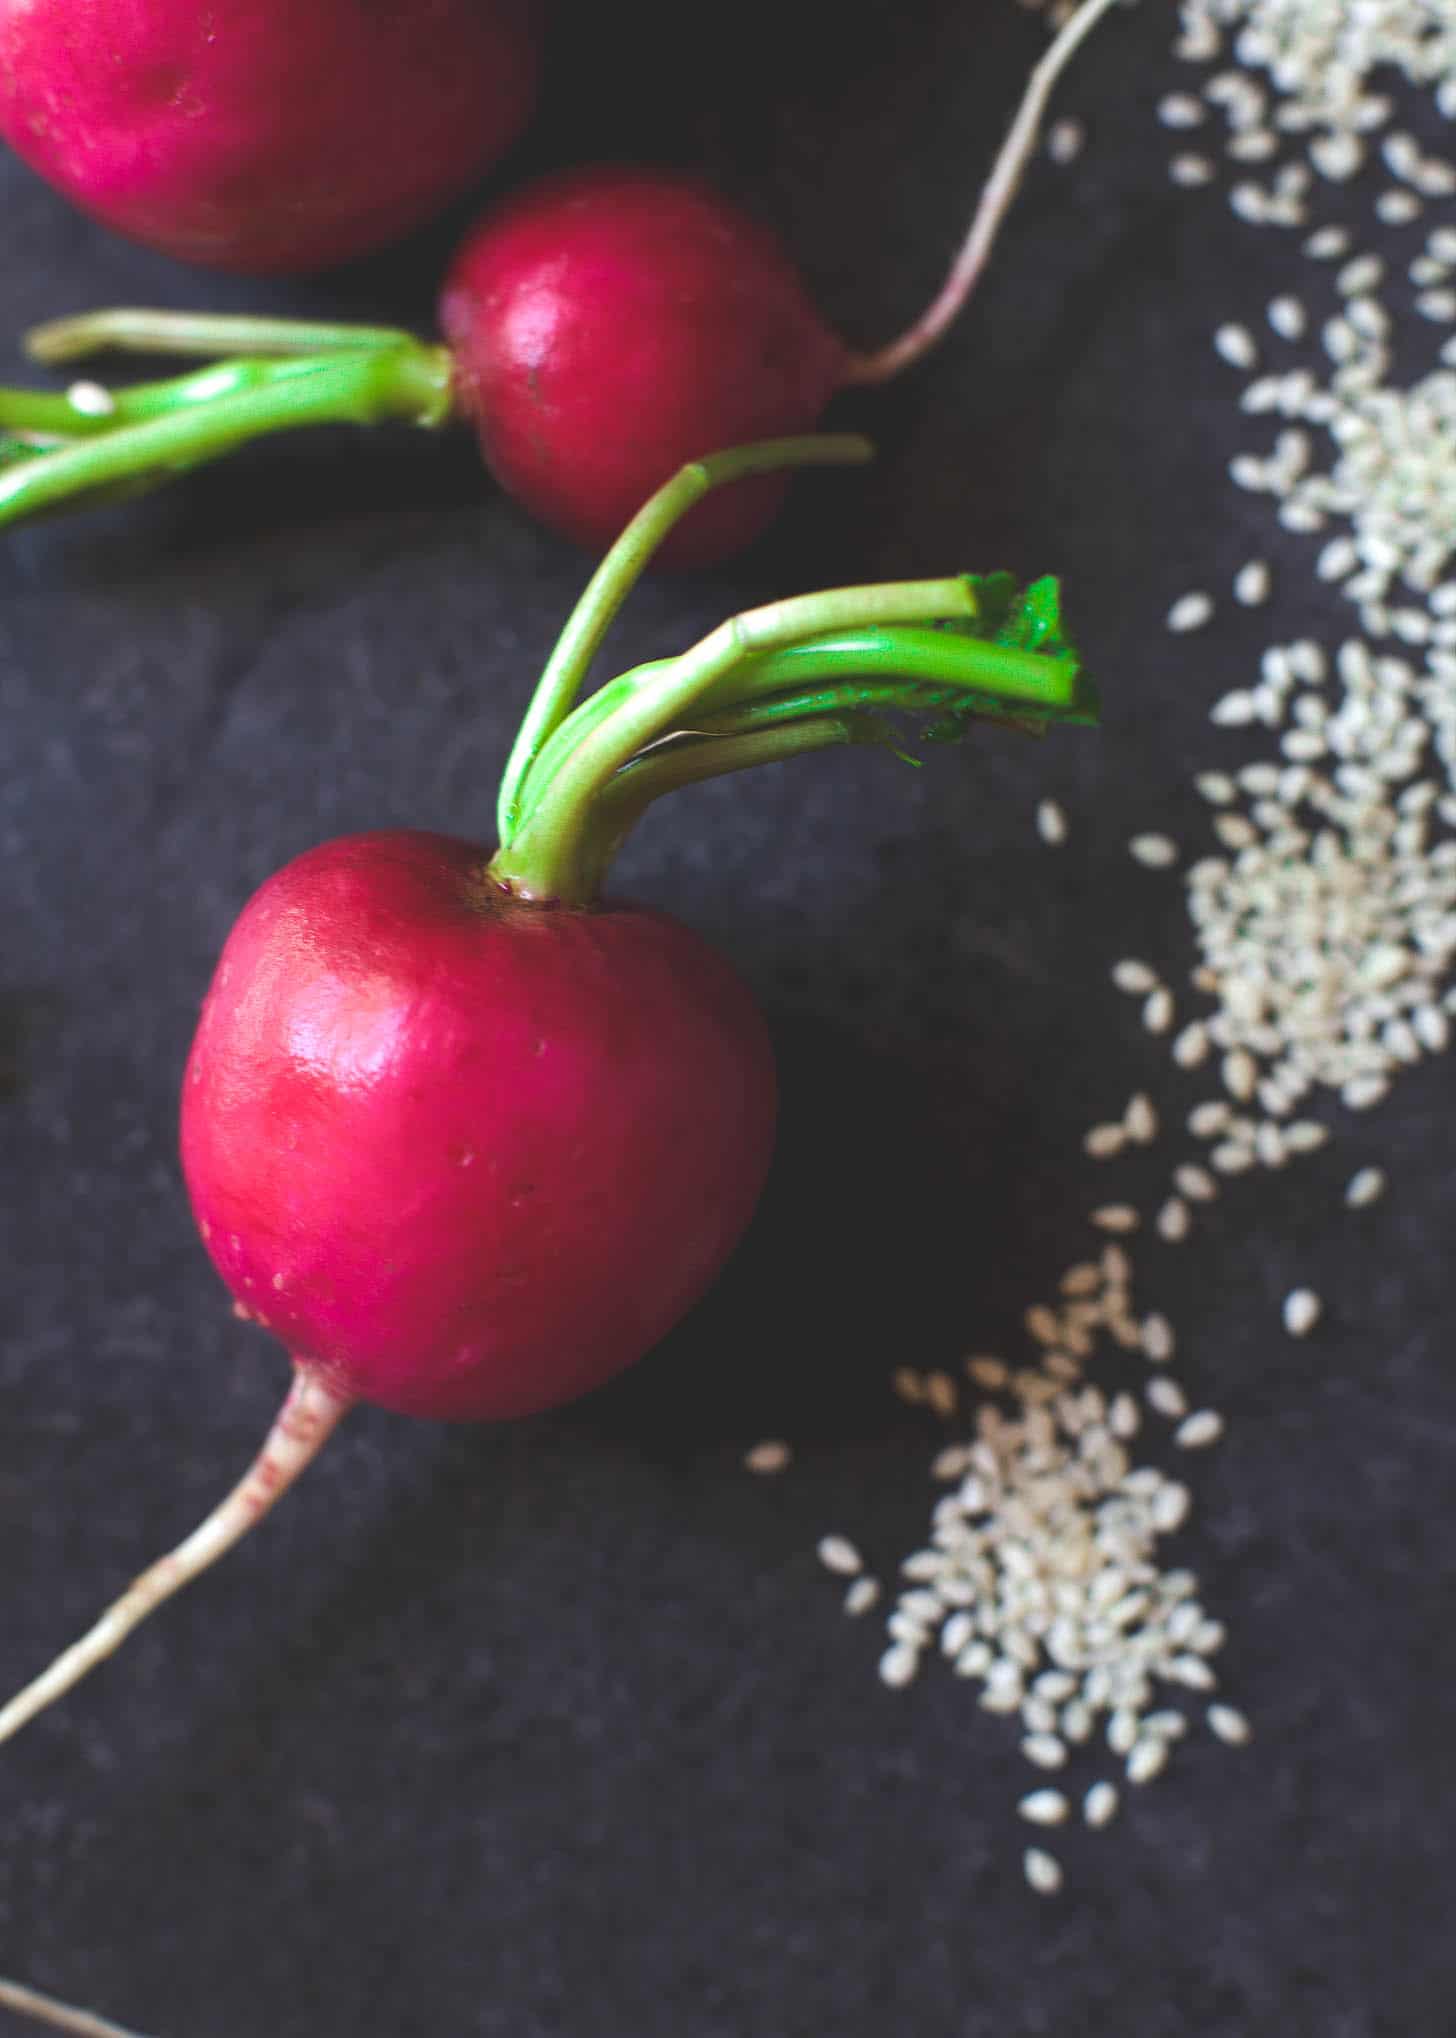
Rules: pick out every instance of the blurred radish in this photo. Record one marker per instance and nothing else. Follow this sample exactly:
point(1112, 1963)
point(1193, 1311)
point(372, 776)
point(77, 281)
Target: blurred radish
point(601, 328)
point(469, 1137)
point(260, 135)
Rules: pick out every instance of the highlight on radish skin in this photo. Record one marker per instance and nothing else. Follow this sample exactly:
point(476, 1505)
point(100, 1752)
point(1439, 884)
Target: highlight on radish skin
point(422, 1071)
point(601, 328)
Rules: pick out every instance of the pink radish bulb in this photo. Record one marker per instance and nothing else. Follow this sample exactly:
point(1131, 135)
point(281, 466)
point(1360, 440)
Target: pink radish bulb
point(468, 1157)
point(601, 329)
point(465, 1134)
point(264, 135)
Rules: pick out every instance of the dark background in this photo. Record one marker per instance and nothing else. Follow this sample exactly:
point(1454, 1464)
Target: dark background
point(557, 1729)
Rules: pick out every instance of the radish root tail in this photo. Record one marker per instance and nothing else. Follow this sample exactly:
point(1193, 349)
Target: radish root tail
point(43, 2009)
point(303, 1425)
point(999, 190)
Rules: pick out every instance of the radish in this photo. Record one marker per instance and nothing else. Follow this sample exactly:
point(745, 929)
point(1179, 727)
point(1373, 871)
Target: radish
point(603, 328)
point(467, 1137)
point(258, 135)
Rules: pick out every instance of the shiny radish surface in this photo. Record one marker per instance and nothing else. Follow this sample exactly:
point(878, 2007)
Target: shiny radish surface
point(260, 136)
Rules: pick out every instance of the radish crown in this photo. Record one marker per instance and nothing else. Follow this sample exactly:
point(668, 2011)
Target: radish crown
point(848, 665)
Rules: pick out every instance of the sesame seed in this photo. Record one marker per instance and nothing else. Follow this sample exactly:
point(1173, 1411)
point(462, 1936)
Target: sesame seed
point(1190, 612)
point(1236, 345)
point(1146, 1760)
point(1166, 1397)
point(1042, 1871)
point(1119, 1217)
point(838, 1553)
point(1158, 1010)
point(1230, 1725)
point(1044, 1807)
point(1140, 1119)
point(1364, 1187)
point(1051, 823)
point(1191, 170)
point(1252, 583)
point(1133, 977)
point(899, 1665)
point(1154, 852)
point(1287, 317)
point(1099, 1806)
point(772, 1455)
point(1199, 1431)
point(987, 1371)
point(1102, 1142)
point(1157, 1340)
point(1173, 1220)
point(91, 399)
point(1064, 143)
point(861, 1596)
point(1302, 1311)
point(1195, 1183)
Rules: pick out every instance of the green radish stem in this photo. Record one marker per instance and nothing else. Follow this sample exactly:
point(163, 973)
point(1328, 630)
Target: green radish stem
point(773, 682)
point(297, 372)
point(44, 2009)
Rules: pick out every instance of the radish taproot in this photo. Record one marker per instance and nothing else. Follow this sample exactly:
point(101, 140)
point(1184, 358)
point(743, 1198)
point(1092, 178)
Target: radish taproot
point(602, 328)
point(465, 1135)
point(261, 136)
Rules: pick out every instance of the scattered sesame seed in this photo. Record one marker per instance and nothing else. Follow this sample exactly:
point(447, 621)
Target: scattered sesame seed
point(1133, 977)
point(1191, 170)
point(772, 1455)
point(1099, 1806)
point(1157, 1339)
point(1166, 1397)
point(1154, 852)
point(1158, 1010)
point(987, 1371)
point(1147, 1759)
point(91, 399)
point(1042, 1870)
point(1287, 317)
point(1140, 1119)
point(1051, 823)
point(899, 1665)
point(1103, 1142)
point(861, 1596)
point(1115, 1217)
point(1252, 583)
point(1064, 143)
point(1190, 612)
point(1173, 1220)
point(838, 1553)
point(1364, 1187)
point(1302, 1311)
point(1199, 1431)
point(1230, 1725)
point(1044, 1807)
point(1236, 345)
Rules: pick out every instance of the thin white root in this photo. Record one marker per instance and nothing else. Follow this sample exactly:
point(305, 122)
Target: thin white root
point(303, 1425)
point(29, 2002)
point(995, 201)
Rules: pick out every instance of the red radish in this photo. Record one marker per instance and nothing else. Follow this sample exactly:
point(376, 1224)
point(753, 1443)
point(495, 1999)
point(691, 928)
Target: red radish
point(261, 135)
point(602, 328)
point(469, 1137)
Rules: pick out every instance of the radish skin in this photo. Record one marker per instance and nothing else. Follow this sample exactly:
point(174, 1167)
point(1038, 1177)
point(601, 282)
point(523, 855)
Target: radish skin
point(602, 328)
point(59, 2016)
point(467, 1135)
point(263, 136)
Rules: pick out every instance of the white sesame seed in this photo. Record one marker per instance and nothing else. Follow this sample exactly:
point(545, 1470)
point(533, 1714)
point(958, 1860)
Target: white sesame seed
point(1166, 1397)
point(1102, 1142)
point(1180, 110)
point(1099, 1806)
point(1173, 1220)
point(1158, 1010)
point(1252, 583)
point(1146, 1760)
point(1133, 977)
point(1064, 143)
point(1195, 1183)
point(1157, 1339)
point(1230, 1725)
point(838, 1553)
point(1286, 316)
point(1118, 1217)
point(1154, 852)
point(1190, 170)
point(1045, 1750)
point(1200, 1430)
point(1051, 823)
point(772, 1455)
point(1044, 1807)
point(1302, 1310)
point(1140, 1119)
point(987, 1371)
point(908, 1385)
point(1364, 1187)
point(861, 1596)
point(1042, 1871)
point(1236, 345)
point(898, 1665)
point(1190, 612)
point(940, 1394)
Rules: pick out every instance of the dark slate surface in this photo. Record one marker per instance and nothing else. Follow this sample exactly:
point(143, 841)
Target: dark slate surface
point(557, 1730)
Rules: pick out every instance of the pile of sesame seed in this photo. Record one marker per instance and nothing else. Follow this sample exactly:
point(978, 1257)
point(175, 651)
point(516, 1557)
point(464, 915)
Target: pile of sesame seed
point(1321, 899)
